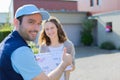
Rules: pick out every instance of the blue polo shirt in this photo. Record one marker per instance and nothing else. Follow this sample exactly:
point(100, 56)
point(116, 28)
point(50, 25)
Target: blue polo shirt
point(24, 63)
point(17, 60)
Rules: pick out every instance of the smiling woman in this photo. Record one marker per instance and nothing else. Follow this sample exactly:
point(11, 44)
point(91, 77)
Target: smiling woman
point(4, 5)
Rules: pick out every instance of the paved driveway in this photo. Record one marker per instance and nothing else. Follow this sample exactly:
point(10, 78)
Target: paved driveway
point(93, 63)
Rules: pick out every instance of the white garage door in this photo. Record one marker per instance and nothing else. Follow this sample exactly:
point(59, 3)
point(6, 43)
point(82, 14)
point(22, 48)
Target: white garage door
point(73, 33)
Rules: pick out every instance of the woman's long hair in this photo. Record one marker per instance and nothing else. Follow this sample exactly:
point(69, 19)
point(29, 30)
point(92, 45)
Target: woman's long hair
point(44, 39)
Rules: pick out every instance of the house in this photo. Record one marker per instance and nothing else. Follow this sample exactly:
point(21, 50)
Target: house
point(65, 10)
point(105, 19)
point(4, 18)
point(98, 6)
point(107, 13)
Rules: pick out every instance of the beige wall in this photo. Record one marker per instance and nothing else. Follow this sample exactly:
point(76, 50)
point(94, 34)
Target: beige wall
point(105, 36)
point(105, 5)
point(70, 17)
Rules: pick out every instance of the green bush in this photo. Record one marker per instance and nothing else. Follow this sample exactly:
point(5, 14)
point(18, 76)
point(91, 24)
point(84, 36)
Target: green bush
point(34, 47)
point(3, 34)
point(119, 48)
point(86, 33)
point(4, 31)
point(107, 45)
point(86, 39)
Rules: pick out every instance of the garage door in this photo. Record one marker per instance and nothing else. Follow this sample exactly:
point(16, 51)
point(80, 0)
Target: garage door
point(73, 33)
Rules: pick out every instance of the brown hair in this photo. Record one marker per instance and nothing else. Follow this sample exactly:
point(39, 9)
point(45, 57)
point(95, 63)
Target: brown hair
point(44, 39)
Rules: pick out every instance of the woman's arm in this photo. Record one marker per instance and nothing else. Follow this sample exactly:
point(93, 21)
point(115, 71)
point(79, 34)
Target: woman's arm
point(71, 50)
point(67, 73)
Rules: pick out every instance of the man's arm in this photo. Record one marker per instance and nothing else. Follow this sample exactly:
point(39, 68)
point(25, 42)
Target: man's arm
point(56, 74)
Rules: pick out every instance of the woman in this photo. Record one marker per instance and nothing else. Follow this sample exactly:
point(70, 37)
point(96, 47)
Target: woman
point(53, 38)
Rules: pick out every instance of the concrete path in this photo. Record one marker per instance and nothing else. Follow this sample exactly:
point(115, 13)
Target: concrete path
point(93, 63)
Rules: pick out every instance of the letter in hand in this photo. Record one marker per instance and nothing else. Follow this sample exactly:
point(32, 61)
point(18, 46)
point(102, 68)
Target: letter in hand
point(67, 58)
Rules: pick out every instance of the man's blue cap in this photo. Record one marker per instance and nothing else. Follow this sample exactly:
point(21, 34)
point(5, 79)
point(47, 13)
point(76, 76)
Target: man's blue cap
point(31, 9)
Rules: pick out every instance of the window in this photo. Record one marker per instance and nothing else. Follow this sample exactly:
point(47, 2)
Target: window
point(109, 27)
point(98, 2)
point(91, 3)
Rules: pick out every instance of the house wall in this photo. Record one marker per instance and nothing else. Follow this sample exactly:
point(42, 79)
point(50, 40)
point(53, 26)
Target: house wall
point(48, 4)
point(11, 12)
point(3, 18)
point(105, 6)
point(70, 17)
point(106, 36)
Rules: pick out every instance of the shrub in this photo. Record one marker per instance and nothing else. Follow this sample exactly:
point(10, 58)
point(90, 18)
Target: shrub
point(33, 46)
point(108, 45)
point(86, 33)
point(3, 34)
point(119, 48)
point(86, 39)
point(4, 31)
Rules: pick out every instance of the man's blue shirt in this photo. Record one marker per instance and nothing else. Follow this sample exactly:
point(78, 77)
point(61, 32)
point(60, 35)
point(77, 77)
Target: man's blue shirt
point(23, 62)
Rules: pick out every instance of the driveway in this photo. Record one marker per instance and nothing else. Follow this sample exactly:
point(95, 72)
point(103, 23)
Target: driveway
point(93, 63)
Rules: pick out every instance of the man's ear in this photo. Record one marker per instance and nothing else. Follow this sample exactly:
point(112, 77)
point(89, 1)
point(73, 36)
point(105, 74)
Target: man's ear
point(16, 23)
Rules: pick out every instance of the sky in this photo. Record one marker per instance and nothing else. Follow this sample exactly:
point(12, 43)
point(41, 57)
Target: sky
point(4, 5)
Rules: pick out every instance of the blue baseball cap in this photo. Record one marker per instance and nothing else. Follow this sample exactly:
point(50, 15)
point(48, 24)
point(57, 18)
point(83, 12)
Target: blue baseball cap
point(31, 9)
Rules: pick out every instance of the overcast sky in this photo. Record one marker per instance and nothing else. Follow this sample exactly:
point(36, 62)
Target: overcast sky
point(4, 5)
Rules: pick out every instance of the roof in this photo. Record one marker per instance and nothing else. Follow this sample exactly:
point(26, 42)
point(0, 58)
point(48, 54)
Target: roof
point(117, 12)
